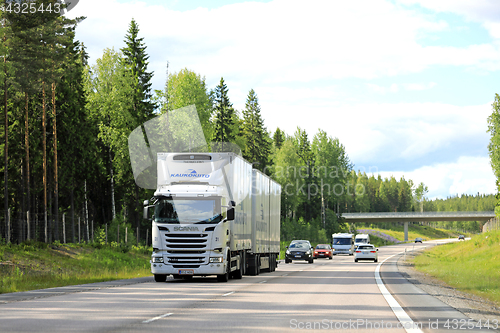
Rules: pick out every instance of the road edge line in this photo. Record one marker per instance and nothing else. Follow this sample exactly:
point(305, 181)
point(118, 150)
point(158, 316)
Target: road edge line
point(406, 322)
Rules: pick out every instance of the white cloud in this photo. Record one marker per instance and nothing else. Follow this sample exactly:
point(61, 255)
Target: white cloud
point(280, 42)
point(394, 88)
point(295, 55)
point(468, 175)
point(395, 132)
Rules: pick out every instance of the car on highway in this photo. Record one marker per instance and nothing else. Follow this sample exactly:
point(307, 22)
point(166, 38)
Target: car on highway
point(418, 240)
point(299, 250)
point(366, 252)
point(323, 251)
point(461, 237)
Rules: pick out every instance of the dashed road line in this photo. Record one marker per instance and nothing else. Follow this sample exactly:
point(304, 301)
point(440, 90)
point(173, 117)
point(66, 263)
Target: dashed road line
point(156, 318)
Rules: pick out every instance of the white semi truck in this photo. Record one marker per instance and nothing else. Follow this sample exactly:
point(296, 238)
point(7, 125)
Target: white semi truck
point(213, 215)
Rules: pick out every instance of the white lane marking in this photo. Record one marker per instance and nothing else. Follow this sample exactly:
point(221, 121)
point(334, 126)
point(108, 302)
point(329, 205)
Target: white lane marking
point(406, 322)
point(263, 281)
point(232, 292)
point(156, 318)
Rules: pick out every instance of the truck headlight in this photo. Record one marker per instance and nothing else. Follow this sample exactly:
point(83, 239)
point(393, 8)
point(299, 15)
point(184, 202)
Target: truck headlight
point(215, 260)
point(157, 259)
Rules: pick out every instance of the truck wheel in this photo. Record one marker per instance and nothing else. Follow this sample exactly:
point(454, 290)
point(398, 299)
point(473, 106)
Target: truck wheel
point(160, 278)
point(225, 277)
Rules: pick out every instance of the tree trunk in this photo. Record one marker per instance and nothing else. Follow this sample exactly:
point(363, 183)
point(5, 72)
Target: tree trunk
point(112, 186)
point(6, 147)
point(44, 153)
point(27, 149)
point(56, 185)
point(72, 212)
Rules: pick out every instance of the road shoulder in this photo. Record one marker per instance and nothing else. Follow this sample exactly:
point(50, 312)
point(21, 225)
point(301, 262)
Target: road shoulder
point(472, 306)
point(33, 294)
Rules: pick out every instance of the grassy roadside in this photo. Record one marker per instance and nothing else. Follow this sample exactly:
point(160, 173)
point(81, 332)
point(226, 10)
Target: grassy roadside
point(381, 237)
point(35, 265)
point(470, 266)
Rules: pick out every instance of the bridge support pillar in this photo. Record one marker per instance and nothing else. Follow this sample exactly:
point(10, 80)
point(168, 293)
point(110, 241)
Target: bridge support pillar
point(406, 231)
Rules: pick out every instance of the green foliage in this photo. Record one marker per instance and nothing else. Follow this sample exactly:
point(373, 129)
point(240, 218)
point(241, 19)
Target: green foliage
point(471, 266)
point(37, 266)
point(135, 59)
point(187, 88)
point(257, 140)
point(224, 123)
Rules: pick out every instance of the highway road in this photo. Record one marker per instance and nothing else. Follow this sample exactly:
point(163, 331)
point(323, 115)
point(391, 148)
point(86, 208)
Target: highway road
point(329, 295)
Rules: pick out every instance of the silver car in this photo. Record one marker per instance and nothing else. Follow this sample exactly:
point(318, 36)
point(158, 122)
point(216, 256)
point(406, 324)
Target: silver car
point(366, 252)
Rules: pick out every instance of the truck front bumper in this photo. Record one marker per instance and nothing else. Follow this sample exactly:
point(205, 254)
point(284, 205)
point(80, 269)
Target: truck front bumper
point(209, 269)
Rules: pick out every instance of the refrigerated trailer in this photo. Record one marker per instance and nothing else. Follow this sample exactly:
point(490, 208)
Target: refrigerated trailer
point(212, 214)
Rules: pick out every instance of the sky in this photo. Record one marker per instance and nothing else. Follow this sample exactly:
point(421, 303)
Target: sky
point(405, 85)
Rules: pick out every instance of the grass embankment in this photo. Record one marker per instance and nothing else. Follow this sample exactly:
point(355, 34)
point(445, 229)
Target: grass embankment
point(34, 265)
point(470, 266)
point(395, 235)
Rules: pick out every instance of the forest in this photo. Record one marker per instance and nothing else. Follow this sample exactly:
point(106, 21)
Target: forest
point(64, 147)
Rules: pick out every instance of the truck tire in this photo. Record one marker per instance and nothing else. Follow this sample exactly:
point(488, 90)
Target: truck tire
point(225, 277)
point(160, 278)
point(254, 263)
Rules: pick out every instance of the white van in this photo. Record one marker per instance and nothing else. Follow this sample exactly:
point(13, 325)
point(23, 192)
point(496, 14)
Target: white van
point(361, 239)
point(343, 244)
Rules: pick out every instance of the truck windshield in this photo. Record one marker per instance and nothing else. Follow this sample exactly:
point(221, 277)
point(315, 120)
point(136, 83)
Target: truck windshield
point(180, 211)
point(341, 241)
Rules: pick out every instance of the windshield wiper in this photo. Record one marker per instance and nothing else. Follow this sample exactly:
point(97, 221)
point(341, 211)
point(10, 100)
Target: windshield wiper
point(215, 219)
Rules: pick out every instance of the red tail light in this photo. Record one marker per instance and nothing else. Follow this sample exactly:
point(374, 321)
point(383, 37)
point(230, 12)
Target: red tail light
point(373, 251)
point(358, 251)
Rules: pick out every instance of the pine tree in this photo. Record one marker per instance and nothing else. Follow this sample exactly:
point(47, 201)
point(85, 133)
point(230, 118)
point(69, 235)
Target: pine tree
point(278, 138)
point(136, 58)
point(224, 118)
point(257, 140)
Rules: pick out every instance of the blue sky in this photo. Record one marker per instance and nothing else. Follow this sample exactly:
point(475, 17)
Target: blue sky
point(406, 85)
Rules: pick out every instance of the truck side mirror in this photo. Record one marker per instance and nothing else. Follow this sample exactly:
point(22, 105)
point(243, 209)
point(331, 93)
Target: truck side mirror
point(145, 212)
point(230, 214)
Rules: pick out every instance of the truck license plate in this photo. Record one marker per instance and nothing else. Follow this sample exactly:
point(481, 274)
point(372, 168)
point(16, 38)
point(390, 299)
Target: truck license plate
point(186, 272)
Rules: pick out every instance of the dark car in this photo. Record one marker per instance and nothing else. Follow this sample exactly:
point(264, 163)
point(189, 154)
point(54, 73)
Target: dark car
point(299, 250)
point(323, 251)
point(461, 237)
point(418, 240)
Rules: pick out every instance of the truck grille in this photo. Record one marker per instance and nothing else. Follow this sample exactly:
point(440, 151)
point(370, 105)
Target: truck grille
point(186, 250)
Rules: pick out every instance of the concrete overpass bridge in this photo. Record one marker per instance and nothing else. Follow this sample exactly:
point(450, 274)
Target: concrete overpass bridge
point(417, 217)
